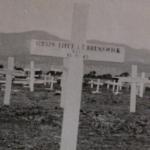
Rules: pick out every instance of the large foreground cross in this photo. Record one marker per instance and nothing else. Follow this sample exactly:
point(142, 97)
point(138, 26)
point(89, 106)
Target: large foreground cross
point(75, 52)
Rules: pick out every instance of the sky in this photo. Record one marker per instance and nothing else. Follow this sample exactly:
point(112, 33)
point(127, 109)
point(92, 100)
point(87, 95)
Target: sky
point(119, 21)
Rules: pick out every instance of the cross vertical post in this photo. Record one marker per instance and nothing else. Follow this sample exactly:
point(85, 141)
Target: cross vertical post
point(72, 105)
point(52, 81)
point(108, 84)
point(32, 76)
point(49, 79)
point(133, 90)
point(91, 82)
point(142, 84)
point(63, 82)
point(118, 87)
point(8, 81)
point(45, 79)
point(98, 85)
point(114, 86)
point(74, 81)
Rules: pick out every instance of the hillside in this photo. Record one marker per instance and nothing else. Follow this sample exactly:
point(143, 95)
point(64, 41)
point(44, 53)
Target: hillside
point(18, 45)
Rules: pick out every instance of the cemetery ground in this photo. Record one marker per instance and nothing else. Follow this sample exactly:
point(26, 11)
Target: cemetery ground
point(33, 121)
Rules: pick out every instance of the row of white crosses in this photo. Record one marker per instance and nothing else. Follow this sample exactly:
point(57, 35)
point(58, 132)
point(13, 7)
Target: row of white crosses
point(98, 84)
point(11, 73)
point(116, 86)
point(135, 81)
point(31, 79)
point(47, 78)
point(74, 57)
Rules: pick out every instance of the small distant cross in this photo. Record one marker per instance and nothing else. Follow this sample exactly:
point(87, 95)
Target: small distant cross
point(98, 83)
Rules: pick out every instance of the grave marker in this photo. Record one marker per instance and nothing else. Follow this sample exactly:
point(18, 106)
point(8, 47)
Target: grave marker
point(142, 85)
point(32, 76)
point(98, 84)
point(75, 52)
point(52, 81)
point(74, 80)
point(10, 73)
point(108, 83)
point(116, 87)
point(8, 81)
point(113, 86)
point(133, 89)
point(91, 82)
point(133, 80)
point(45, 79)
point(63, 82)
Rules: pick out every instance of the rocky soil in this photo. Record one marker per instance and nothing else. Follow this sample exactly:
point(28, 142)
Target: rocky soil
point(33, 122)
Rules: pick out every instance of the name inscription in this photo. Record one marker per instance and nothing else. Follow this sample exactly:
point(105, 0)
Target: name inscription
point(71, 46)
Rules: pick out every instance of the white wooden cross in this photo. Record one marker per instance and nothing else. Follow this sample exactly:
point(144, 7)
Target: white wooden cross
point(32, 76)
point(63, 82)
point(8, 81)
point(116, 87)
point(98, 84)
point(108, 82)
point(49, 77)
point(45, 79)
point(91, 82)
point(75, 52)
point(143, 81)
point(52, 81)
point(133, 89)
point(140, 84)
point(10, 73)
point(135, 81)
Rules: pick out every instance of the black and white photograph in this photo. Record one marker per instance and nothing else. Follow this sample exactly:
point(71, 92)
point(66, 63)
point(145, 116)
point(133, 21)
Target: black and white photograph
point(74, 74)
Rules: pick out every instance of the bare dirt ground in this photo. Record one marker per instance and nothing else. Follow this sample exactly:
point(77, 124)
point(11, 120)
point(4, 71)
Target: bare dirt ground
point(33, 121)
